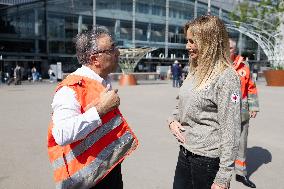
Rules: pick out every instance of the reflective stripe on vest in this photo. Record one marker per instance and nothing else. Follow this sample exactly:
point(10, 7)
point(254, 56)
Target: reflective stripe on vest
point(85, 162)
point(85, 177)
point(88, 142)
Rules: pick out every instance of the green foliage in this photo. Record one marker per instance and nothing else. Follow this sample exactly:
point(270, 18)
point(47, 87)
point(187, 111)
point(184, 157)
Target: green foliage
point(278, 67)
point(266, 10)
point(127, 65)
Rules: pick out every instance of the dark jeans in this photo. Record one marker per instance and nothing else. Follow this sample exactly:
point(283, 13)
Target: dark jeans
point(176, 81)
point(112, 181)
point(194, 171)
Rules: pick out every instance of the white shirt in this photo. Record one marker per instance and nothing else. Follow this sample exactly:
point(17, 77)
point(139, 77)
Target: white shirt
point(70, 124)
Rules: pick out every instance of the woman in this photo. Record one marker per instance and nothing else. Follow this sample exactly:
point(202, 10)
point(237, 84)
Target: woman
point(206, 122)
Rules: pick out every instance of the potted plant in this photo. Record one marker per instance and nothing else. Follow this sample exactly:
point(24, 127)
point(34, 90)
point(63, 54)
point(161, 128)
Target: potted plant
point(129, 58)
point(275, 76)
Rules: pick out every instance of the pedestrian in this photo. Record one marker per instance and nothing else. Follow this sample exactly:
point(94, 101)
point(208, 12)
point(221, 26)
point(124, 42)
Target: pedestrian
point(176, 71)
point(51, 75)
point(206, 121)
point(255, 73)
point(250, 107)
point(18, 75)
point(88, 137)
point(169, 73)
point(34, 73)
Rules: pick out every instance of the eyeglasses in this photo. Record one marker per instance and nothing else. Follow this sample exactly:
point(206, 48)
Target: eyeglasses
point(108, 51)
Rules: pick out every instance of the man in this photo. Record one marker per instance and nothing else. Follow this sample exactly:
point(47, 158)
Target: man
point(249, 110)
point(18, 75)
point(176, 71)
point(88, 137)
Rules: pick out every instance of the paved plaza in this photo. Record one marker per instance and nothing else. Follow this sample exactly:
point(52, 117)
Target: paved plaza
point(25, 113)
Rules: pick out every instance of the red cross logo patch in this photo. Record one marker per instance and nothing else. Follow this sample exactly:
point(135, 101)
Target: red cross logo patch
point(242, 73)
point(235, 98)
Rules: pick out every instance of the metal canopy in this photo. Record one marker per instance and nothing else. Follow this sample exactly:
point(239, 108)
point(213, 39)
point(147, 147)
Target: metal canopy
point(130, 57)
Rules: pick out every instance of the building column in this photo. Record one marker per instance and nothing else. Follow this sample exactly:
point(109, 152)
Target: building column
point(209, 7)
point(149, 29)
point(167, 30)
point(133, 22)
point(258, 53)
point(177, 36)
point(80, 20)
point(36, 31)
point(220, 13)
point(195, 8)
point(117, 29)
point(94, 13)
point(240, 43)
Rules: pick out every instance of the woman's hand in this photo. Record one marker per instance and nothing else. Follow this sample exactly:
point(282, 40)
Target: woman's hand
point(176, 130)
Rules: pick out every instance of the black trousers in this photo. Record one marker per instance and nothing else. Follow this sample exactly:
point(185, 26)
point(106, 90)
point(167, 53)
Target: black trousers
point(112, 181)
point(194, 171)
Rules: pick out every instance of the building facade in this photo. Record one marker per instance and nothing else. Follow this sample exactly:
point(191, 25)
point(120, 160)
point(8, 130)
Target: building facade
point(40, 33)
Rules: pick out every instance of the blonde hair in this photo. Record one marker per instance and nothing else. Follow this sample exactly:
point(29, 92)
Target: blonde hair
point(211, 37)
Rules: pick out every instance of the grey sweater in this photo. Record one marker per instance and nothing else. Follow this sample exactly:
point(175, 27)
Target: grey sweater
point(211, 117)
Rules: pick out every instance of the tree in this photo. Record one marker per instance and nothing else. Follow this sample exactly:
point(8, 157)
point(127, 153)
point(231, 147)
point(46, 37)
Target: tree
point(264, 18)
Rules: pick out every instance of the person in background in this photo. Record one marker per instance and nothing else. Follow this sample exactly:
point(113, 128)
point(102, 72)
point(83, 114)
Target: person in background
point(176, 72)
point(18, 75)
point(88, 137)
point(34, 73)
point(250, 107)
point(51, 75)
point(206, 122)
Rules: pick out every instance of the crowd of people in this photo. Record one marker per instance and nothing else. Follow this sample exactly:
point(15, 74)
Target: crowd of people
point(17, 74)
point(88, 137)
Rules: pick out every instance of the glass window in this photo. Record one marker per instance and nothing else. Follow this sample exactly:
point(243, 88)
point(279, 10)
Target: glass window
point(158, 32)
point(142, 8)
point(156, 10)
point(56, 47)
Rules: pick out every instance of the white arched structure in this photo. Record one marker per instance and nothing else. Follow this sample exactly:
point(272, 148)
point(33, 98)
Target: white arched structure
point(270, 41)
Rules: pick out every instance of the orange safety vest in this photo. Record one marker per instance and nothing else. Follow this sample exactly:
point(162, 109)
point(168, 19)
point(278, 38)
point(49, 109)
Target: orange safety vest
point(248, 88)
point(82, 164)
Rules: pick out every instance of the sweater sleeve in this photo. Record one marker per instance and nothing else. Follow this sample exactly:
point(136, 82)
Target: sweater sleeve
point(229, 109)
point(174, 115)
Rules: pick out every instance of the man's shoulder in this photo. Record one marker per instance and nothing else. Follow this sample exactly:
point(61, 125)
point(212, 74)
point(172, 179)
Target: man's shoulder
point(244, 66)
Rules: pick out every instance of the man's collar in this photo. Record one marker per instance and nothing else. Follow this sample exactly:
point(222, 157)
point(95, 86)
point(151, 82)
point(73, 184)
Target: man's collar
point(88, 72)
point(238, 60)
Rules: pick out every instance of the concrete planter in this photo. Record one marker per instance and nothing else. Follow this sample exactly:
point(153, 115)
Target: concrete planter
point(127, 79)
point(274, 77)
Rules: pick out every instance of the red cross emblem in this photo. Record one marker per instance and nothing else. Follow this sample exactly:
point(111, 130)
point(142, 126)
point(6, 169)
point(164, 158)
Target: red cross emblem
point(235, 97)
point(242, 73)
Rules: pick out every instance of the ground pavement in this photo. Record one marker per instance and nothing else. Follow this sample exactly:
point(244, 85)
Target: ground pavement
point(25, 113)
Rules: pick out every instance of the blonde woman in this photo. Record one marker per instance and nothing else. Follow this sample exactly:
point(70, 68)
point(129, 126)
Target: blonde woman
point(207, 120)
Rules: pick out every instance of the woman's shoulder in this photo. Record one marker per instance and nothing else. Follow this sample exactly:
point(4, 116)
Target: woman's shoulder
point(229, 75)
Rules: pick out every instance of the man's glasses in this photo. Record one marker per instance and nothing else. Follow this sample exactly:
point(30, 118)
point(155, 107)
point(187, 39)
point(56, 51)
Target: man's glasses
point(108, 51)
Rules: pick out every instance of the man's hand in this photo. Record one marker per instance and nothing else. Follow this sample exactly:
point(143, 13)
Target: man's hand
point(252, 114)
point(216, 186)
point(108, 101)
point(176, 129)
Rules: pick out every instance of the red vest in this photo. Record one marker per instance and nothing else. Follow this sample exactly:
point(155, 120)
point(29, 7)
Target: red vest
point(84, 163)
point(247, 86)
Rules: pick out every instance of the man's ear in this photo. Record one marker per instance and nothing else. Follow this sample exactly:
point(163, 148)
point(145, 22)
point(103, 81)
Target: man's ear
point(94, 60)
